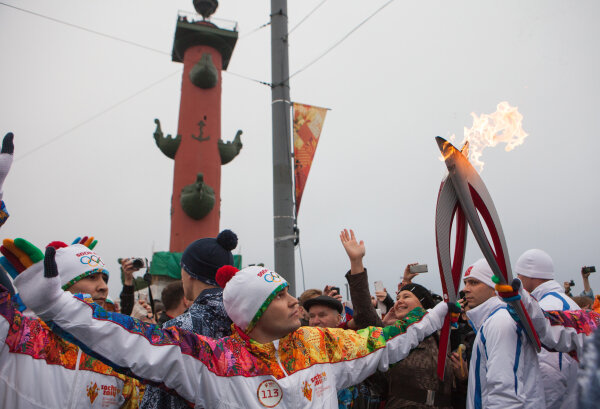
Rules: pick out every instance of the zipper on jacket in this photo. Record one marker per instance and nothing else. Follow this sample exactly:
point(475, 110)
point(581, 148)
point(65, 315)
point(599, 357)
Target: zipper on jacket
point(70, 404)
point(276, 345)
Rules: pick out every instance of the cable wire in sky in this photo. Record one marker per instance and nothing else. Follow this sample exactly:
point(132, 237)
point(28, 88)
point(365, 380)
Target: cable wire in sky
point(95, 116)
point(127, 41)
point(254, 31)
point(340, 40)
point(86, 29)
point(306, 17)
point(248, 78)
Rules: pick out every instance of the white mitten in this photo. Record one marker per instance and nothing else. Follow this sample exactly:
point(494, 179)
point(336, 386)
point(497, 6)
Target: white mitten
point(39, 285)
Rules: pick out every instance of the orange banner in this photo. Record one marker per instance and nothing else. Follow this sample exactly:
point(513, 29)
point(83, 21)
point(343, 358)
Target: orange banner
point(308, 122)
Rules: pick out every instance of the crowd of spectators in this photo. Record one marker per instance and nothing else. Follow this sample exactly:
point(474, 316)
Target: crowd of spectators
point(222, 337)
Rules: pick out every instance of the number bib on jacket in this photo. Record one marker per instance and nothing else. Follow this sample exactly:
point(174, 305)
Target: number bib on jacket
point(269, 393)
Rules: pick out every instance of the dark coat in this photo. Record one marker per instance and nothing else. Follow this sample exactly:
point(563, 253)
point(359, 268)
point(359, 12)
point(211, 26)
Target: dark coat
point(411, 381)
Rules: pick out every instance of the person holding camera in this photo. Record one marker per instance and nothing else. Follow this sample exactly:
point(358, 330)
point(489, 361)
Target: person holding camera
point(585, 277)
point(128, 268)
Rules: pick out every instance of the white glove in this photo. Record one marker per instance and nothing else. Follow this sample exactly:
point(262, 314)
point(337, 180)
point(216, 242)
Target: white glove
point(39, 285)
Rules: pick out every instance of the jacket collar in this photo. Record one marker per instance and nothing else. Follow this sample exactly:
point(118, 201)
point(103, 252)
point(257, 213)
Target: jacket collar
point(479, 314)
point(547, 287)
point(208, 294)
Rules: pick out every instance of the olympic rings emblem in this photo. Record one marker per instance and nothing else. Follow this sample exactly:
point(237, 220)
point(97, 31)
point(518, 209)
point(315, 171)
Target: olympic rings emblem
point(272, 277)
point(92, 261)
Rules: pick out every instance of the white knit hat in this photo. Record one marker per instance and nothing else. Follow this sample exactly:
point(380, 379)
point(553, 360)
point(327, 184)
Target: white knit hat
point(480, 270)
point(248, 293)
point(76, 262)
point(535, 263)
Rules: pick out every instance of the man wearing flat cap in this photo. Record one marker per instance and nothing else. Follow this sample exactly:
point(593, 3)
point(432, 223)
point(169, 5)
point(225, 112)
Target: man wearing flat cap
point(324, 311)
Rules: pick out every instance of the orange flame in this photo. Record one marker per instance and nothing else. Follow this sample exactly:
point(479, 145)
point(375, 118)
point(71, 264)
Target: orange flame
point(488, 130)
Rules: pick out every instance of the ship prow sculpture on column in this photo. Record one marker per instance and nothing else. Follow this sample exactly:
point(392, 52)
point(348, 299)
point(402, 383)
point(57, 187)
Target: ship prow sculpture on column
point(197, 149)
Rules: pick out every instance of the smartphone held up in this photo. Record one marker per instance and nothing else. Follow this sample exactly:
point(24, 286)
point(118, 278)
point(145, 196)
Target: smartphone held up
point(418, 268)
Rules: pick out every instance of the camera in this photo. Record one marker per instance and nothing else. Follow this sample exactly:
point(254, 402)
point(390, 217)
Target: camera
point(572, 283)
point(335, 289)
point(139, 262)
point(589, 269)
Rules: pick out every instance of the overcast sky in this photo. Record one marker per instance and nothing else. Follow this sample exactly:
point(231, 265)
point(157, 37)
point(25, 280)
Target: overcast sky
point(82, 108)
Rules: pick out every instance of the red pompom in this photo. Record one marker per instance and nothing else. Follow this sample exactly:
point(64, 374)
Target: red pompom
point(57, 244)
point(224, 274)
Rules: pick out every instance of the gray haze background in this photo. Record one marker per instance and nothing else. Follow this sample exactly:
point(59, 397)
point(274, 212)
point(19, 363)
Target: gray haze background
point(414, 71)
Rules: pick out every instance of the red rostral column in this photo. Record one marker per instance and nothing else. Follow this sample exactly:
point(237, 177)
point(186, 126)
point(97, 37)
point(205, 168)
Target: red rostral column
point(198, 150)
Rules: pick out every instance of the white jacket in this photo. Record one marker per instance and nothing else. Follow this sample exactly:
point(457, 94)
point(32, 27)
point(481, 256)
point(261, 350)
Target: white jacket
point(39, 370)
point(504, 371)
point(559, 370)
point(301, 370)
point(562, 337)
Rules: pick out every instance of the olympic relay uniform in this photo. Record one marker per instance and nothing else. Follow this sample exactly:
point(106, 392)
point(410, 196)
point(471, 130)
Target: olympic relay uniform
point(558, 370)
point(504, 371)
point(40, 370)
point(301, 370)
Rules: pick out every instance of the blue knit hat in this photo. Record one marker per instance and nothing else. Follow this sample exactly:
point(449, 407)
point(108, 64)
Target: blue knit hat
point(204, 257)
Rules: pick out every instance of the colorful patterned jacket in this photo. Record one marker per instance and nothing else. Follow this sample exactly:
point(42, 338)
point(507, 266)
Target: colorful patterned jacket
point(206, 316)
point(301, 370)
point(38, 369)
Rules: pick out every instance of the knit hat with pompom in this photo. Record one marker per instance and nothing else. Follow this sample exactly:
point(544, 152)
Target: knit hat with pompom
point(204, 257)
point(248, 292)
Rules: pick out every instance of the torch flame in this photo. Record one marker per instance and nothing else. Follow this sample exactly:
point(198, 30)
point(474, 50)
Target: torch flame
point(488, 130)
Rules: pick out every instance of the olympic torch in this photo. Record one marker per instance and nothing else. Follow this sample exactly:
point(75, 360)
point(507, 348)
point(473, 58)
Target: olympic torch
point(467, 197)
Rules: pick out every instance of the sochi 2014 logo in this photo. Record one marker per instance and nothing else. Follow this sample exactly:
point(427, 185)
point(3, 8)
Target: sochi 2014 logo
point(92, 392)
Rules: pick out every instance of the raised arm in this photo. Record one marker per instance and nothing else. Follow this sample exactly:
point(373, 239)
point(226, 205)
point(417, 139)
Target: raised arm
point(132, 347)
point(355, 250)
point(558, 330)
point(358, 281)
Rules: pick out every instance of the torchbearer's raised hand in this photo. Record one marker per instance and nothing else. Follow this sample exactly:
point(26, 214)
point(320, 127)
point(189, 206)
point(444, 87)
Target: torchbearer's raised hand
point(509, 293)
point(8, 144)
point(39, 285)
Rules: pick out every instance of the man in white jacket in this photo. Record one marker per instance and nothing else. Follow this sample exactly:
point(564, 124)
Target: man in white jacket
point(41, 370)
point(268, 361)
point(535, 269)
point(504, 371)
